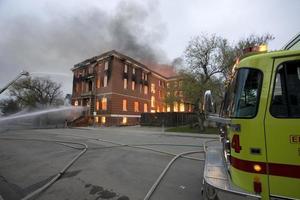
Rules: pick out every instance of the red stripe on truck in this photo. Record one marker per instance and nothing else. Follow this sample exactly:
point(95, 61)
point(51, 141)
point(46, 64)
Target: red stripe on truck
point(275, 169)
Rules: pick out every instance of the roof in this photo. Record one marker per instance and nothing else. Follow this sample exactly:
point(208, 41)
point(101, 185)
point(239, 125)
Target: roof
point(165, 71)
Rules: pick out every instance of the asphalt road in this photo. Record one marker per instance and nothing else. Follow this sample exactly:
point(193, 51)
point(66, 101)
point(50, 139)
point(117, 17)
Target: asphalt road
point(105, 171)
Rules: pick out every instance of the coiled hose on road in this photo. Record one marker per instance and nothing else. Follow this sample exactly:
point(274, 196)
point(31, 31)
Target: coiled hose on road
point(85, 148)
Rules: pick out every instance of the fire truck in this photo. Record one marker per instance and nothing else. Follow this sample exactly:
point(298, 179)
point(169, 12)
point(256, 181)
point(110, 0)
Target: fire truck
point(258, 154)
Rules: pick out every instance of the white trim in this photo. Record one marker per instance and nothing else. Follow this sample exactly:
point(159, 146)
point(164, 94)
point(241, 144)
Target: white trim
point(103, 94)
point(159, 76)
point(125, 95)
point(118, 115)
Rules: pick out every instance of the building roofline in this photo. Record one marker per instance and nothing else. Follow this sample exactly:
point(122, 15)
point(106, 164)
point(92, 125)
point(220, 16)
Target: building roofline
point(120, 55)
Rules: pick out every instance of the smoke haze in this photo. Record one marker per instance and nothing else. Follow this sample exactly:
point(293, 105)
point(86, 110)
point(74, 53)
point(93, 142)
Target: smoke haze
point(52, 38)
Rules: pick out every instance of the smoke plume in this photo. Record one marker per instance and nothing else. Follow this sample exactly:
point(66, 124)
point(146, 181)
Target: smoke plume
point(54, 38)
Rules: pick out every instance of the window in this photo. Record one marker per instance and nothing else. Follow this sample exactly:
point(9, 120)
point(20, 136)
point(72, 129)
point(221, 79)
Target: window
point(106, 65)
point(145, 89)
point(157, 109)
point(76, 103)
point(104, 103)
point(168, 108)
point(90, 69)
point(180, 93)
point(97, 105)
point(143, 75)
point(133, 70)
point(103, 120)
point(124, 120)
point(175, 84)
point(145, 107)
point(132, 85)
point(125, 68)
point(159, 93)
point(87, 87)
point(124, 105)
point(152, 101)
point(242, 99)
point(136, 106)
point(125, 83)
point(77, 89)
point(286, 92)
point(105, 81)
point(159, 82)
point(83, 86)
point(168, 85)
point(96, 119)
point(180, 83)
point(98, 82)
point(153, 88)
point(181, 107)
point(175, 107)
point(190, 107)
point(146, 77)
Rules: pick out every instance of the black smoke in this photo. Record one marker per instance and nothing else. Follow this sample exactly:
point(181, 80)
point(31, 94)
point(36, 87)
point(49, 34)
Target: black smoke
point(56, 40)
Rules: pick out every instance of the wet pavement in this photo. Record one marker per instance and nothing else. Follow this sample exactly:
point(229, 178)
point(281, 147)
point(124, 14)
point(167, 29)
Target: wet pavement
point(107, 170)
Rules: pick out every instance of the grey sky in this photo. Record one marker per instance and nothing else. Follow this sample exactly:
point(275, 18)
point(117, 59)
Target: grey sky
point(52, 36)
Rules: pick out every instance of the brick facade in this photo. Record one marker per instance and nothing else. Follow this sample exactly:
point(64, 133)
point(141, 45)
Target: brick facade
point(118, 89)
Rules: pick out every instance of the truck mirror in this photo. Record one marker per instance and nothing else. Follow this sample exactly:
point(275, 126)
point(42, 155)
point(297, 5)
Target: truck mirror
point(208, 105)
point(298, 72)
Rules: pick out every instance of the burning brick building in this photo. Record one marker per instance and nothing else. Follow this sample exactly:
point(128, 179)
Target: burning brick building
point(116, 89)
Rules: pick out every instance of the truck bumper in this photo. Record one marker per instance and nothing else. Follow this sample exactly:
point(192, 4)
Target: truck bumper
point(217, 183)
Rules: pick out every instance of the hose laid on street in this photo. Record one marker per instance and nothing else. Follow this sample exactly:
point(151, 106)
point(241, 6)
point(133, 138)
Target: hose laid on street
point(140, 146)
point(117, 144)
point(156, 183)
point(61, 172)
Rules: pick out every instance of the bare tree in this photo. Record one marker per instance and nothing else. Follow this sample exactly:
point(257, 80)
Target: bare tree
point(206, 56)
point(209, 62)
point(32, 92)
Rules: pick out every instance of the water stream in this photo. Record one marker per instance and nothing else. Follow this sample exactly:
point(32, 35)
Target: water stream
point(48, 118)
point(51, 73)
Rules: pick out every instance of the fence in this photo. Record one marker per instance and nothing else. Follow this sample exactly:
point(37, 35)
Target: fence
point(168, 119)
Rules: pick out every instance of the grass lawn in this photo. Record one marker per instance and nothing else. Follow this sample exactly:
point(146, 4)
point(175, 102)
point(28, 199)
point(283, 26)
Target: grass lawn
point(189, 129)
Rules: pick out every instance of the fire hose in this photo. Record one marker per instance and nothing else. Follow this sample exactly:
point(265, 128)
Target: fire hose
point(117, 144)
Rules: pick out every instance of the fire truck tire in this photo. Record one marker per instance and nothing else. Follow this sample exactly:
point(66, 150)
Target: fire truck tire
point(209, 193)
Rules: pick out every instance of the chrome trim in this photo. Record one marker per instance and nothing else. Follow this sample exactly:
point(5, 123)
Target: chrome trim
point(218, 119)
point(221, 178)
point(282, 197)
point(290, 43)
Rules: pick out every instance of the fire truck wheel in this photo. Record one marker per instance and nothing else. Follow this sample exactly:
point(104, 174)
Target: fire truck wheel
point(209, 193)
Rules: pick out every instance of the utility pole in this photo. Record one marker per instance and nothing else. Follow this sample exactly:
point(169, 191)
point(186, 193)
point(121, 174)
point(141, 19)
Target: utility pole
point(23, 73)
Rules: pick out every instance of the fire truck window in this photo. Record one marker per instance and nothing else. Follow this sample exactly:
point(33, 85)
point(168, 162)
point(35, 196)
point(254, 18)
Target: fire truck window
point(246, 93)
point(286, 93)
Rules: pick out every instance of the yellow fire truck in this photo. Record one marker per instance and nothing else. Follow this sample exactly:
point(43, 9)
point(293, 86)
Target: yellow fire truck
point(258, 155)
